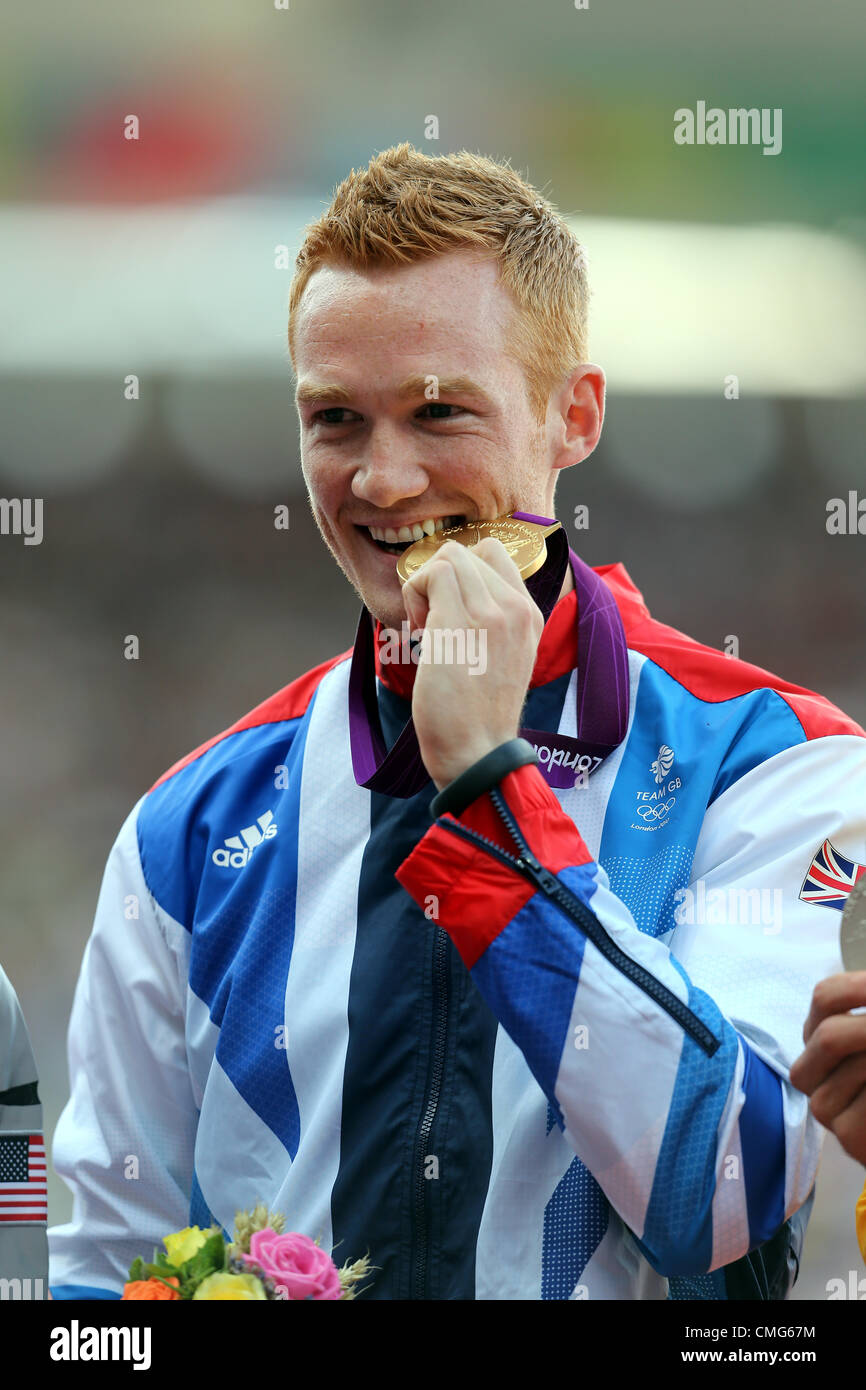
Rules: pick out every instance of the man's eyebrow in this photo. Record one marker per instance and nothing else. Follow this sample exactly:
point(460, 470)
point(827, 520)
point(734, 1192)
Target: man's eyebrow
point(314, 393)
point(445, 386)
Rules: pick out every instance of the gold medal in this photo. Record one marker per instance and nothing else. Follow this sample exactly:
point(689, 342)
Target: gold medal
point(524, 541)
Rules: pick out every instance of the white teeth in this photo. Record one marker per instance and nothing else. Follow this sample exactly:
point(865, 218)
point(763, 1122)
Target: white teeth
point(416, 532)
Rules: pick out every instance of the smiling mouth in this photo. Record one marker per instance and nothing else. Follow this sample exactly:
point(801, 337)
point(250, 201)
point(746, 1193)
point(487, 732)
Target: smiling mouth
point(401, 538)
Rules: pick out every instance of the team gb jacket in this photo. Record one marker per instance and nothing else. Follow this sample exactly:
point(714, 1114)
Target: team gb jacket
point(538, 1051)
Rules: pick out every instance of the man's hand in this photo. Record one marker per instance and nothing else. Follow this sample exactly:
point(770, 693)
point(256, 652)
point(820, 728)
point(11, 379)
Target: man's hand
point(464, 708)
point(832, 1069)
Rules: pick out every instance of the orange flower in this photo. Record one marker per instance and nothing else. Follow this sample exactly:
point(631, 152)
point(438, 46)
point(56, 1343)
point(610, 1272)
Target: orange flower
point(151, 1289)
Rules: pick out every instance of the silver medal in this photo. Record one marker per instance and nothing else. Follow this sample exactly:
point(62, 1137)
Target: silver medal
point(853, 928)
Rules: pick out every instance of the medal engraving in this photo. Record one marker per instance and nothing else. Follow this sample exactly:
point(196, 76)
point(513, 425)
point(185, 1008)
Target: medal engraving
point(524, 541)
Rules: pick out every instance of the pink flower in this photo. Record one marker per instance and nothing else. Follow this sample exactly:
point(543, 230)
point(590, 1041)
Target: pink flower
point(295, 1263)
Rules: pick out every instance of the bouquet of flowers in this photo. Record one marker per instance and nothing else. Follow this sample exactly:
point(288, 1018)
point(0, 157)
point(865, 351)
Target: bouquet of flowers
point(264, 1261)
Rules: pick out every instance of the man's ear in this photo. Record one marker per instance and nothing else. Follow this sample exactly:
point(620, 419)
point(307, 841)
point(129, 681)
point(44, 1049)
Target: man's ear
point(579, 407)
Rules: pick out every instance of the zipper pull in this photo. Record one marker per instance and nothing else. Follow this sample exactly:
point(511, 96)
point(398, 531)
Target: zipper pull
point(543, 878)
point(525, 862)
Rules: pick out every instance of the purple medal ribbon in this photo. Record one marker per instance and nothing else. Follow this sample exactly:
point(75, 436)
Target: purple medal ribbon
point(602, 687)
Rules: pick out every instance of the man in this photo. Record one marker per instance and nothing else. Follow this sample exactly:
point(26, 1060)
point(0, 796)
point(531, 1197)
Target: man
point(483, 1050)
point(23, 1189)
point(831, 1069)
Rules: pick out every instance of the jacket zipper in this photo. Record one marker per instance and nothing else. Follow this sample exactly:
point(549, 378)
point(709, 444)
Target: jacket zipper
point(528, 866)
point(437, 1068)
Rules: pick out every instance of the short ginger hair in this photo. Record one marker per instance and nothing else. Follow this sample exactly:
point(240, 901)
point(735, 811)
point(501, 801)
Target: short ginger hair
point(407, 205)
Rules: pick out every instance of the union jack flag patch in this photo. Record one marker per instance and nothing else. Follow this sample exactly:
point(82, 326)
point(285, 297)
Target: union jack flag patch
point(830, 878)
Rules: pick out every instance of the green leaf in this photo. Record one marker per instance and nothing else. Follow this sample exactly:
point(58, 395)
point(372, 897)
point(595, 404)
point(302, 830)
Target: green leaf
point(168, 1285)
point(157, 1271)
point(136, 1270)
point(215, 1248)
point(208, 1259)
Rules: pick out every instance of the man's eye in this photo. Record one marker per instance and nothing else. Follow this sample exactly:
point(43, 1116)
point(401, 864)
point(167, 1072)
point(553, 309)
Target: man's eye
point(326, 417)
point(337, 414)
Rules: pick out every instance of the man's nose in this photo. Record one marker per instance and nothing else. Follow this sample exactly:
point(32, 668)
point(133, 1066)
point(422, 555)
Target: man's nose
point(388, 473)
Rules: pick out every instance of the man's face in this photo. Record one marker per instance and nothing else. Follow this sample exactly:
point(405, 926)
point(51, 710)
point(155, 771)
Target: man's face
point(376, 453)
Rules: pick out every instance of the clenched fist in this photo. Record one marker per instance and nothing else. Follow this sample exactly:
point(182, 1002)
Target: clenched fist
point(832, 1069)
point(462, 709)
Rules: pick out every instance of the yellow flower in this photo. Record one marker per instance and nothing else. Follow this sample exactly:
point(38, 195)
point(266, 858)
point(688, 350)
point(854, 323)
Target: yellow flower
point(230, 1286)
point(182, 1245)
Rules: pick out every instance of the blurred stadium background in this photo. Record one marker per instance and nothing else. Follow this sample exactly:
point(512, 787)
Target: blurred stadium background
point(157, 258)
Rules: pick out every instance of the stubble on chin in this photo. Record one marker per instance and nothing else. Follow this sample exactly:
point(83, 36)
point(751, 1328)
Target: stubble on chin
point(388, 616)
point(386, 609)
point(390, 612)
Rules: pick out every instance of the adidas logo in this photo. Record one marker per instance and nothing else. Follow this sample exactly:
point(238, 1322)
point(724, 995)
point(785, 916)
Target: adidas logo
point(238, 849)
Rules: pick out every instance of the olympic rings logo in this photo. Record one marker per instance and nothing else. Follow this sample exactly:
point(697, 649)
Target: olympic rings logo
point(660, 812)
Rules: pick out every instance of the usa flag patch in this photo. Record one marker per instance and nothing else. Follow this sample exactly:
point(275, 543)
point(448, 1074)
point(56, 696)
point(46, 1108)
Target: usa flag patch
point(23, 1179)
point(830, 878)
